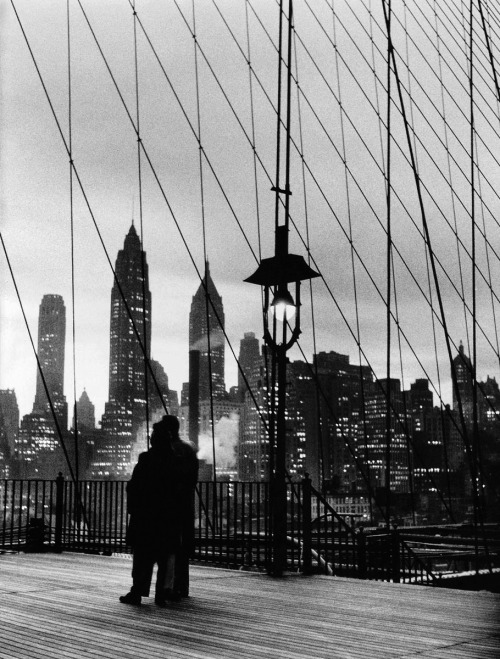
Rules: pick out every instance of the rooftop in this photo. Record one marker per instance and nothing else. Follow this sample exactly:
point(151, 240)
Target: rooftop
point(66, 605)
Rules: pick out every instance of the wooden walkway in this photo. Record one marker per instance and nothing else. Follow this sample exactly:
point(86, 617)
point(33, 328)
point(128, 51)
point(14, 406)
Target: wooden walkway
point(66, 606)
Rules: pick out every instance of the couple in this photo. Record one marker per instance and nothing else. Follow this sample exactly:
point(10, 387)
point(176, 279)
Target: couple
point(160, 502)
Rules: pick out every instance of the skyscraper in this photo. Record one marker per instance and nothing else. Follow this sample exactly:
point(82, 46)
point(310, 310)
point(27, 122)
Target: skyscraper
point(463, 389)
point(249, 361)
point(130, 308)
point(9, 425)
point(51, 344)
point(206, 336)
point(130, 341)
point(85, 412)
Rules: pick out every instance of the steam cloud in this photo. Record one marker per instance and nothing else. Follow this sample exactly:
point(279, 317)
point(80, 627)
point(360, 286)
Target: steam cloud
point(226, 439)
point(216, 340)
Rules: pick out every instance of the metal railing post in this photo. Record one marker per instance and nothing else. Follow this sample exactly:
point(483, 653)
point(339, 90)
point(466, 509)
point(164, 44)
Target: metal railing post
point(396, 557)
point(59, 512)
point(361, 551)
point(306, 526)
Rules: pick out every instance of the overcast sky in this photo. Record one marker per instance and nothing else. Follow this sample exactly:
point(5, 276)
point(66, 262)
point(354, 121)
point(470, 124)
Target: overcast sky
point(339, 201)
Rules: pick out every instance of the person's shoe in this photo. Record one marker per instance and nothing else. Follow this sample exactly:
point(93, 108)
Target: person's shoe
point(131, 598)
point(172, 596)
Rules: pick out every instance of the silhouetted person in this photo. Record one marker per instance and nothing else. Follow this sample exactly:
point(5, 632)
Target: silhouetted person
point(160, 502)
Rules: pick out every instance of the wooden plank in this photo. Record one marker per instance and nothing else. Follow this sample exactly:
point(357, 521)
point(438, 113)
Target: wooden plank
point(67, 606)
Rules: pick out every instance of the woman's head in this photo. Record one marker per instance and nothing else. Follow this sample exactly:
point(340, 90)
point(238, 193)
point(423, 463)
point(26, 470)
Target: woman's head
point(165, 431)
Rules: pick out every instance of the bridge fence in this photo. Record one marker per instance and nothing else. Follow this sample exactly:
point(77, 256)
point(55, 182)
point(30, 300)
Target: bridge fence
point(232, 528)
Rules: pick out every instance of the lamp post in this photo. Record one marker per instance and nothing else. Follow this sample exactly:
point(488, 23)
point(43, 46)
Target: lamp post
point(274, 275)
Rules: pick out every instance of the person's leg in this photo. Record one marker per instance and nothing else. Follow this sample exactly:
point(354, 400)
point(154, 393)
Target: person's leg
point(142, 573)
point(181, 583)
point(165, 578)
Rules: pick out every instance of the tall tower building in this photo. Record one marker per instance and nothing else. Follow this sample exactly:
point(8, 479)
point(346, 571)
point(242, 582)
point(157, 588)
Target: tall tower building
point(51, 344)
point(373, 448)
point(125, 412)
point(85, 412)
point(9, 425)
point(130, 306)
point(9, 413)
point(250, 362)
point(206, 336)
point(463, 390)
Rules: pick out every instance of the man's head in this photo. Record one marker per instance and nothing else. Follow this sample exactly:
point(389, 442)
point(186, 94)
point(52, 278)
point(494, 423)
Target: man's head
point(165, 430)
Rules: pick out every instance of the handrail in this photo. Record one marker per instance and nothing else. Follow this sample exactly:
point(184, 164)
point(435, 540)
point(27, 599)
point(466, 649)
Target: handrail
point(232, 529)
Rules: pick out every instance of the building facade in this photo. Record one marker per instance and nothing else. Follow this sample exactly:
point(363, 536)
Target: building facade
point(124, 422)
point(51, 352)
point(206, 337)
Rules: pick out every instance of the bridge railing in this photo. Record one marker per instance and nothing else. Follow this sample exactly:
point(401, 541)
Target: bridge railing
point(383, 556)
point(232, 528)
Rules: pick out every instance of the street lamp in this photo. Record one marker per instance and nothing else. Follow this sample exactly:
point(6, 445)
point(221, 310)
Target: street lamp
point(274, 275)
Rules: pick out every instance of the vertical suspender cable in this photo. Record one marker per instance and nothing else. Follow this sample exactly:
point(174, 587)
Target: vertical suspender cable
point(145, 318)
point(388, 271)
point(73, 327)
point(406, 426)
point(474, 300)
point(205, 258)
point(353, 264)
point(269, 378)
point(495, 78)
point(272, 425)
point(252, 115)
point(435, 277)
point(321, 466)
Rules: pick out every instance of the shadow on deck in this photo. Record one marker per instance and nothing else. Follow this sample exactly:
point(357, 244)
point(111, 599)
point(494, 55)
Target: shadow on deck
point(66, 606)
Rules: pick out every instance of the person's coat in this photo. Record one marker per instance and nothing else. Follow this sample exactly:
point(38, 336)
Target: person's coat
point(160, 497)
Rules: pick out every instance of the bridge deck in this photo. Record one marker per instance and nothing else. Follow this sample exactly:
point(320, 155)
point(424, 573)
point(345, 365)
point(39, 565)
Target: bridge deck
point(67, 606)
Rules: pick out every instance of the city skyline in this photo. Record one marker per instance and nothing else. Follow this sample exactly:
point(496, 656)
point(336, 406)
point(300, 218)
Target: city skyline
point(233, 227)
point(100, 404)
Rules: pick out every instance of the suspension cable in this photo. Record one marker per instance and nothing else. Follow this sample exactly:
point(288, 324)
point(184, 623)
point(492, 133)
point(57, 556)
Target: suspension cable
point(73, 296)
point(145, 318)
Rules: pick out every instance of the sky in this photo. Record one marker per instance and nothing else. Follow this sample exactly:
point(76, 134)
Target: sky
point(224, 210)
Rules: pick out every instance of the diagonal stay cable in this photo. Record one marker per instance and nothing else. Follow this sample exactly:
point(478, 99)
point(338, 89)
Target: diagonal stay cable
point(444, 270)
point(431, 126)
point(84, 194)
point(473, 466)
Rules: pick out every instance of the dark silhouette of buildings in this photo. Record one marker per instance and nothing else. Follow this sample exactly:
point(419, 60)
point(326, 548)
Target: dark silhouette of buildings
point(340, 393)
point(206, 351)
point(462, 389)
point(206, 336)
point(124, 419)
point(39, 446)
point(85, 412)
point(9, 428)
point(130, 328)
point(249, 363)
point(51, 350)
